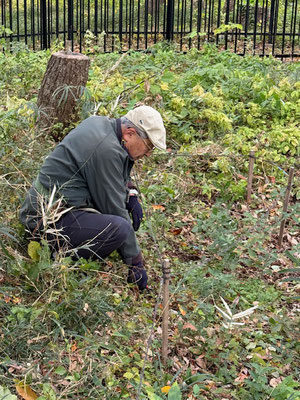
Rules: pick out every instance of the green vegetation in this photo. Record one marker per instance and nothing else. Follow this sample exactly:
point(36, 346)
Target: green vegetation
point(76, 330)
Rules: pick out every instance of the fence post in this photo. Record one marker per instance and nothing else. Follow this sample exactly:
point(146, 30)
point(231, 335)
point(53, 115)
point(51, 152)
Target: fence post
point(120, 21)
point(285, 205)
point(271, 25)
point(170, 20)
point(70, 21)
point(226, 22)
point(165, 316)
point(250, 175)
point(43, 17)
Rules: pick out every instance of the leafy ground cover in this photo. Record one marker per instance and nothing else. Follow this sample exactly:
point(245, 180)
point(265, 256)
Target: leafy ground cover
point(75, 330)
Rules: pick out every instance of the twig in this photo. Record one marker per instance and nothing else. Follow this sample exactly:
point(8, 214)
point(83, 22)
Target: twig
point(285, 205)
point(115, 66)
point(250, 175)
point(165, 317)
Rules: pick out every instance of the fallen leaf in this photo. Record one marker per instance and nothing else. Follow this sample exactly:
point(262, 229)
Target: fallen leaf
point(74, 347)
point(158, 207)
point(182, 311)
point(210, 331)
point(26, 392)
point(165, 389)
point(242, 376)
point(200, 362)
point(275, 382)
point(147, 86)
point(272, 179)
point(175, 231)
point(16, 300)
point(189, 326)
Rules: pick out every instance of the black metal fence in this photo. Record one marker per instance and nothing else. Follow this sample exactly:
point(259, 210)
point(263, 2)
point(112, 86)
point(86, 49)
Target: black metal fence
point(260, 27)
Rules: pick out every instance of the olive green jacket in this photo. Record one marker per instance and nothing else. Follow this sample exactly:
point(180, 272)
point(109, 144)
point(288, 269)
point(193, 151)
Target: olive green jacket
point(89, 168)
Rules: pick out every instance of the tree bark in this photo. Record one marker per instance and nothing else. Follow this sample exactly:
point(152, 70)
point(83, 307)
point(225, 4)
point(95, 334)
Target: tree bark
point(63, 84)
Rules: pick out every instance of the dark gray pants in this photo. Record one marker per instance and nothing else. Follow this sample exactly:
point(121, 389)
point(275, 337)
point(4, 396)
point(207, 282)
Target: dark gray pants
point(90, 235)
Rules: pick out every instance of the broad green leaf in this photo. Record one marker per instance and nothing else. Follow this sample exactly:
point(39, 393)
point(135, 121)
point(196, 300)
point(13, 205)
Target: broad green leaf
point(153, 396)
point(155, 89)
point(175, 392)
point(5, 394)
point(196, 389)
point(34, 249)
point(168, 76)
point(60, 370)
point(128, 375)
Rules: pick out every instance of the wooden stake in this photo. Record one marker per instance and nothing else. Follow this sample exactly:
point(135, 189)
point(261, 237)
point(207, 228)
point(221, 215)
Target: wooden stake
point(165, 316)
point(285, 205)
point(250, 175)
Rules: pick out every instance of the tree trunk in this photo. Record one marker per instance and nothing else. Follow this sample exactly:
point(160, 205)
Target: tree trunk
point(63, 84)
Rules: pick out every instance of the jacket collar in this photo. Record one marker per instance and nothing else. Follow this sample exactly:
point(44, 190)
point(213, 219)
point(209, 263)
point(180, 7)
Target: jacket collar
point(119, 130)
point(119, 136)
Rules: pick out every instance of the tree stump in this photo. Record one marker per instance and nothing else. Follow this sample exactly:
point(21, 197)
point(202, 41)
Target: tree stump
point(63, 84)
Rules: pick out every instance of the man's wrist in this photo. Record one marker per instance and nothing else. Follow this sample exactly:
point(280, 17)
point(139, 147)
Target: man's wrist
point(133, 192)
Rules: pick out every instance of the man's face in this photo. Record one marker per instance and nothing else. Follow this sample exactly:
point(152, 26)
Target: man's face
point(136, 146)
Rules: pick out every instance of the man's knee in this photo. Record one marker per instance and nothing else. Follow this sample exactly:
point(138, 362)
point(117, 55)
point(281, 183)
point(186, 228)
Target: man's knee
point(121, 228)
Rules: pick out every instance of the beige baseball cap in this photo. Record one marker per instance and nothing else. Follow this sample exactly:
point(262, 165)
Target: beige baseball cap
point(150, 121)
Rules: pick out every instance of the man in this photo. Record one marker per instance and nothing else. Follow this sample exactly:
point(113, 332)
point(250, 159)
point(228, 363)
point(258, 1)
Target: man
point(87, 178)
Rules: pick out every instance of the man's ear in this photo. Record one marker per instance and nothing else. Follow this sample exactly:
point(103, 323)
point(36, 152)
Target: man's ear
point(129, 132)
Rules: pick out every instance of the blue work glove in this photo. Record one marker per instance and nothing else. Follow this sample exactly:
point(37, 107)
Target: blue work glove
point(137, 273)
point(135, 209)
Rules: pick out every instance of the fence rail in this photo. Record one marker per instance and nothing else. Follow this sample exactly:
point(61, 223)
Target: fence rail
point(261, 27)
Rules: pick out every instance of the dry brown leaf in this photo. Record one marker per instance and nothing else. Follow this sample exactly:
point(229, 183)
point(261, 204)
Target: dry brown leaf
point(210, 331)
point(26, 392)
point(242, 376)
point(199, 360)
point(241, 177)
point(158, 207)
point(182, 311)
point(74, 347)
point(272, 179)
point(146, 86)
point(275, 382)
point(190, 326)
point(175, 231)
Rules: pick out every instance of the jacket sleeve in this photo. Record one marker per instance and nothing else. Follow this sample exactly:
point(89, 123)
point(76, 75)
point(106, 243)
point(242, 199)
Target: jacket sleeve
point(104, 174)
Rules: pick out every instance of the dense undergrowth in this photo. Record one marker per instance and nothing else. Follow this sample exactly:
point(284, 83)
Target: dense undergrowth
point(75, 330)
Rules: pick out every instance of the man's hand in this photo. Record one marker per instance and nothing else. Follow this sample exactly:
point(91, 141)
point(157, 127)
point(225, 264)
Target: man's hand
point(135, 209)
point(137, 273)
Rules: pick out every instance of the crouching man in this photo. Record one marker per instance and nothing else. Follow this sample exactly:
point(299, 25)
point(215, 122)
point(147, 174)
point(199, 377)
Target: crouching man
point(87, 178)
